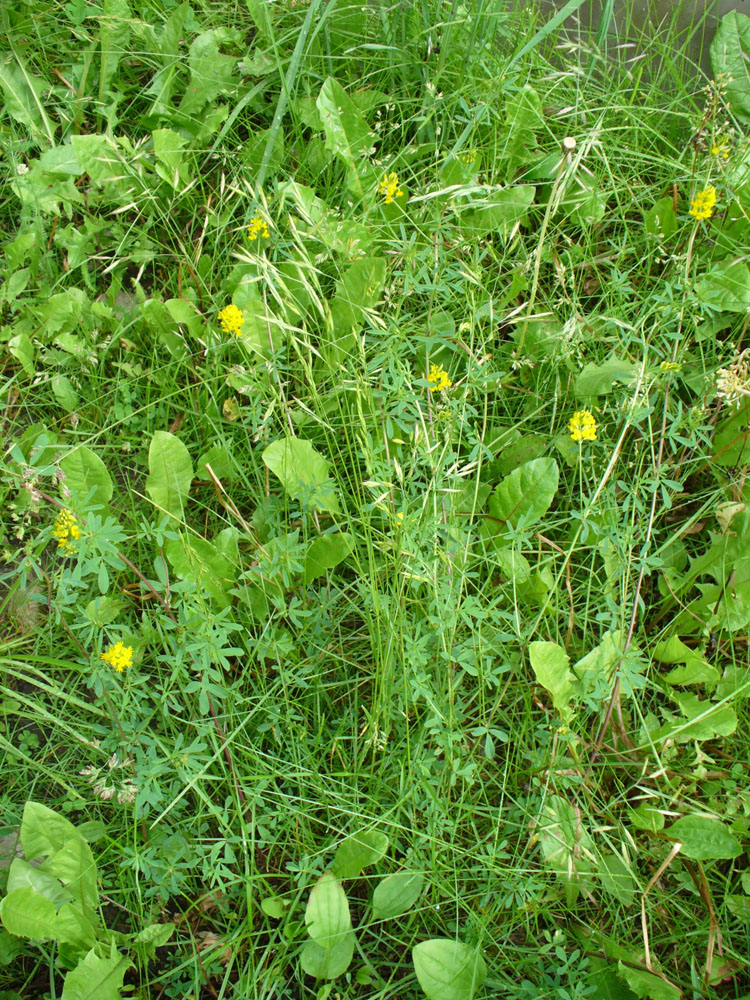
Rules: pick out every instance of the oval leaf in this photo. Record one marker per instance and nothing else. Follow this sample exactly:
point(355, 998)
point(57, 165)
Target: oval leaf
point(325, 552)
point(328, 963)
point(448, 970)
point(358, 852)
point(327, 915)
point(704, 839)
point(396, 894)
point(170, 473)
point(550, 663)
point(86, 476)
point(526, 493)
point(303, 472)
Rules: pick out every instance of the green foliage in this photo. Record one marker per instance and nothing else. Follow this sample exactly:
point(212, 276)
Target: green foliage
point(323, 633)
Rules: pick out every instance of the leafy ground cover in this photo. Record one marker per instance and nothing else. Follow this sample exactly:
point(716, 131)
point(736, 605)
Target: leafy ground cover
point(376, 579)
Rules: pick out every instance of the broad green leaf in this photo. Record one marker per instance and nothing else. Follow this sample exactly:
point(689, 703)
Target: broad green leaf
point(511, 563)
point(22, 349)
point(617, 878)
point(647, 986)
point(100, 158)
point(198, 561)
point(598, 380)
point(43, 831)
point(170, 473)
point(220, 460)
point(550, 664)
point(114, 35)
point(660, 220)
point(28, 914)
point(64, 393)
point(326, 552)
point(647, 818)
point(527, 492)
point(328, 963)
point(359, 851)
point(327, 914)
point(448, 970)
point(274, 907)
point(24, 98)
point(725, 287)
point(501, 212)
point(74, 929)
point(347, 133)
point(97, 978)
point(730, 58)
point(396, 894)
point(23, 875)
point(704, 839)
point(593, 671)
point(303, 472)
point(566, 844)
point(74, 865)
point(730, 445)
point(86, 476)
point(152, 937)
point(706, 720)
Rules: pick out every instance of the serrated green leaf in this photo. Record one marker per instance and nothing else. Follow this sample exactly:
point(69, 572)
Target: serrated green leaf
point(97, 978)
point(211, 71)
point(448, 970)
point(396, 894)
point(170, 473)
point(114, 35)
point(704, 838)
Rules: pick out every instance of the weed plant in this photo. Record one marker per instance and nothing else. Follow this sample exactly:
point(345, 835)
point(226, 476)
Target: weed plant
point(376, 587)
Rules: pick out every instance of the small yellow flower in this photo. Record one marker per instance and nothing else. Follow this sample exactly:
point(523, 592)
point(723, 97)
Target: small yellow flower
point(582, 426)
point(258, 227)
point(119, 657)
point(438, 379)
point(389, 187)
point(720, 149)
point(231, 320)
point(702, 206)
point(66, 531)
point(670, 366)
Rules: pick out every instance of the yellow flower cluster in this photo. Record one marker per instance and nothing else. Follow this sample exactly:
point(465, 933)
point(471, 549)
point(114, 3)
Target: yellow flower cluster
point(66, 531)
point(258, 227)
point(389, 188)
point(702, 205)
point(582, 426)
point(670, 366)
point(231, 320)
point(119, 657)
point(438, 378)
point(720, 149)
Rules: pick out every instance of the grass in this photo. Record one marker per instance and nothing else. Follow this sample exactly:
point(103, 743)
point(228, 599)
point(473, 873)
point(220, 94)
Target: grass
point(371, 586)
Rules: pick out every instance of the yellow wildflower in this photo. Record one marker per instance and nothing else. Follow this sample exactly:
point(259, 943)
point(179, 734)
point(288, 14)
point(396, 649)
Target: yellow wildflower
point(119, 657)
point(702, 205)
point(670, 366)
point(231, 320)
point(66, 531)
point(582, 426)
point(389, 187)
point(720, 149)
point(438, 378)
point(258, 227)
